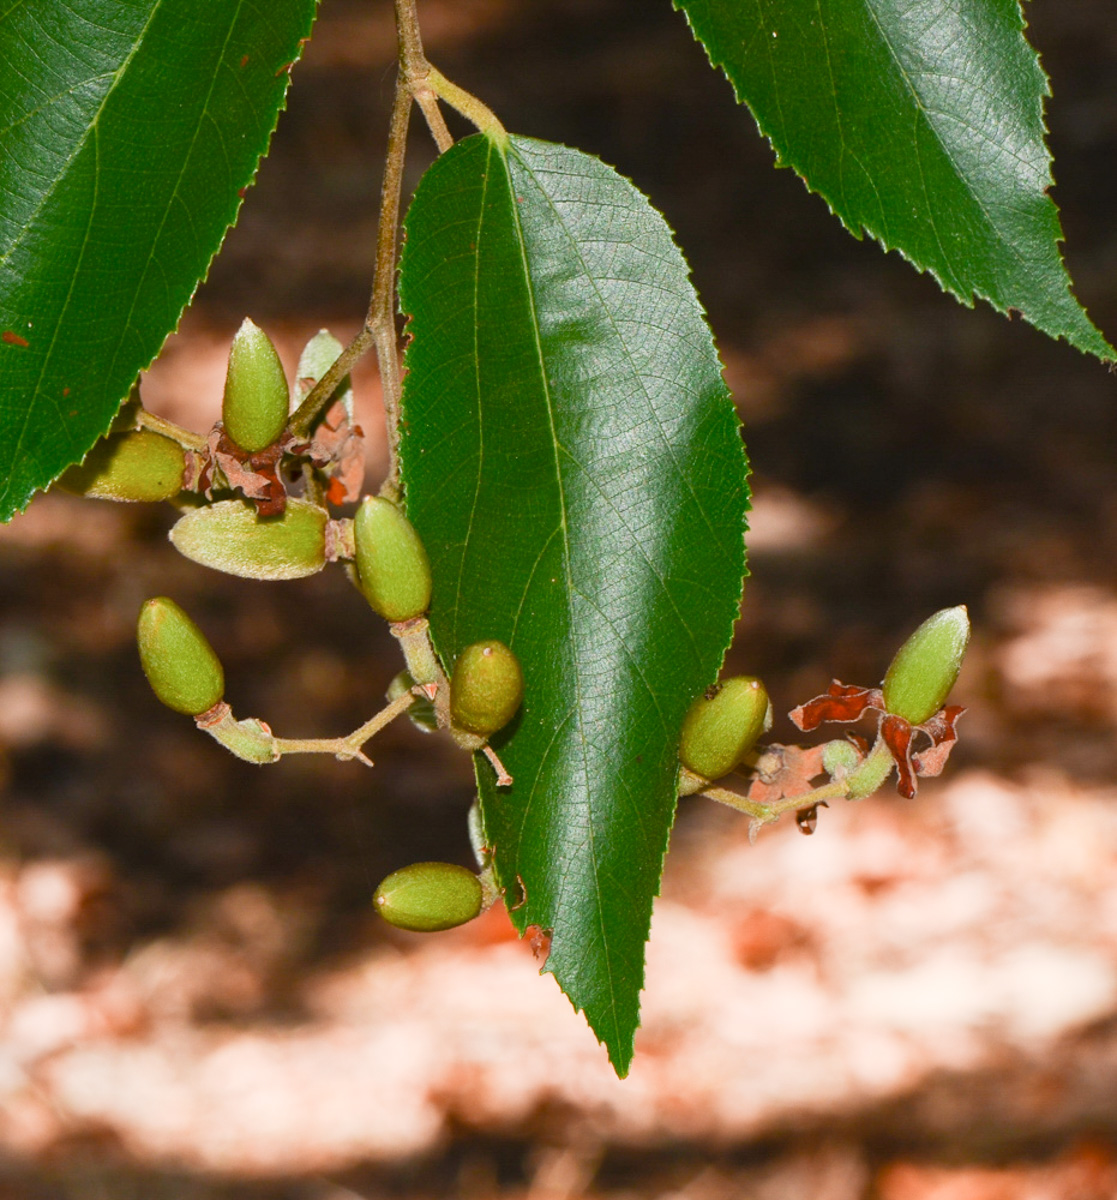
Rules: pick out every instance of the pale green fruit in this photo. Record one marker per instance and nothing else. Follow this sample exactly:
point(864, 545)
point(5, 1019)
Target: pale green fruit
point(392, 565)
point(486, 688)
point(722, 726)
point(140, 465)
point(429, 896)
point(230, 537)
point(254, 410)
point(179, 663)
point(921, 675)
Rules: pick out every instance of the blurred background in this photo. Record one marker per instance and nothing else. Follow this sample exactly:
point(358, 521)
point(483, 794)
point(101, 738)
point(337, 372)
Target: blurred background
point(917, 1003)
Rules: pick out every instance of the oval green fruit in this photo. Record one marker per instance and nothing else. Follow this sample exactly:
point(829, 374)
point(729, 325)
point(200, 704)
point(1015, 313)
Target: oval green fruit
point(921, 675)
point(392, 565)
point(722, 726)
point(179, 663)
point(429, 896)
point(134, 466)
point(257, 399)
point(486, 688)
point(230, 537)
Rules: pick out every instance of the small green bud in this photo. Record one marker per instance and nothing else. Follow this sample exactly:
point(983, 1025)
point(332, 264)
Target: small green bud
point(257, 399)
point(429, 896)
point(421, 712)
point(839, 758)
point(722, 726)
point(392, 565)
point(139, 465)
point(230, 537)
point(925, 667)
point(179, 663)
point(486, 688)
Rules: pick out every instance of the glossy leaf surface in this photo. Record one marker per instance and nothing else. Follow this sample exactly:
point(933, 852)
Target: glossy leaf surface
point(127, 130)
point(573, 463)
point(919, 122)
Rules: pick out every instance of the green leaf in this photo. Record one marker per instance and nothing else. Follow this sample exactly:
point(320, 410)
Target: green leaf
point(921, 123)
point(574, 465)
point(127, 130)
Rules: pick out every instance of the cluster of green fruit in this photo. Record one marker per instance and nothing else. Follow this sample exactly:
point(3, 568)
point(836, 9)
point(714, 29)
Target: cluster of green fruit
point(915, 733)
point(384, 556)
point(142, 465)
point(485, 690)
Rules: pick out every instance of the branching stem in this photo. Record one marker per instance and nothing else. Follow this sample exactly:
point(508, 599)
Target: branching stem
point(253, 741)
point(861, 782)
point(379, 328)
point(772, 812)
point(418, 81)
point(351, 746)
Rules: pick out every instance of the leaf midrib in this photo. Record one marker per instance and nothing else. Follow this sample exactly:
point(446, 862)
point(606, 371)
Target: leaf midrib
point(564, 528)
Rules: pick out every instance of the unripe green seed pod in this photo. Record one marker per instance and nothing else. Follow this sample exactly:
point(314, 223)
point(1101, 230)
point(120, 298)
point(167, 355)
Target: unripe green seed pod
point(429, 896)
point(722, 726)
point(179, 663)
point(254, 410)
point(486, 688)
point(230, 537)
point(392, 565)
point(140, 465)
point(925, 667)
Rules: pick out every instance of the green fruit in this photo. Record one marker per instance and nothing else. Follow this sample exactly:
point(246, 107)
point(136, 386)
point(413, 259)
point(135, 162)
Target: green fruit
point(140, 465)
point(230, 537)
point(486, 688)
point(429, 896)
point(925, 667)
point(392, 565)
point(254, 410)
point(179, 663)
point(722, 726)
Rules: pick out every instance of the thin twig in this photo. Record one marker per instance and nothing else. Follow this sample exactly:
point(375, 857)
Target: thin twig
point(352, 746)
point(773, 810)
point(436, 122)
point(417, 80)
point(412, 61)
point(185, 437)
point(379, 328)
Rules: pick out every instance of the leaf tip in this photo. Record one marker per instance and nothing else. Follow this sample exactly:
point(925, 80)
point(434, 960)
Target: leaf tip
point(620, 1058)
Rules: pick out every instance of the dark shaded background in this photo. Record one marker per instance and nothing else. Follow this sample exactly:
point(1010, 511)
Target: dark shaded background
point(908, 454)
